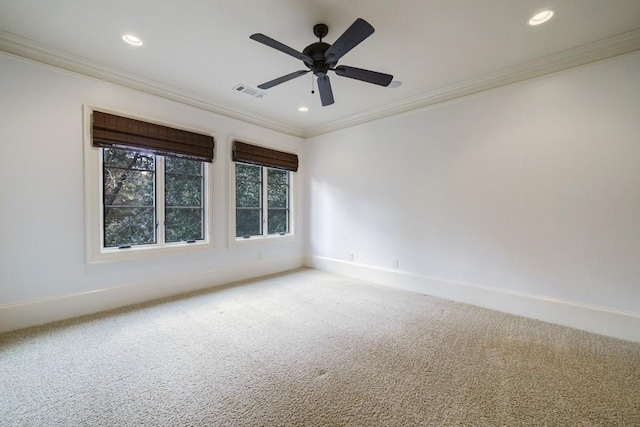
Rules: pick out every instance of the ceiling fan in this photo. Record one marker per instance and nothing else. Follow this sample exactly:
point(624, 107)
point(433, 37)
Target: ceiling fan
point(320, 57)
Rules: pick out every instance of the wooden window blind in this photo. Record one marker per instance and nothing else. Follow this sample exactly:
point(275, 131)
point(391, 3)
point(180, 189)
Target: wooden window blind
point(110, 131)
point(252, 154)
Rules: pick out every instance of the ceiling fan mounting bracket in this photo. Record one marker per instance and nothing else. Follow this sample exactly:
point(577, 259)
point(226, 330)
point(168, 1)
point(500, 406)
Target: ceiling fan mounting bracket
point(320, 30)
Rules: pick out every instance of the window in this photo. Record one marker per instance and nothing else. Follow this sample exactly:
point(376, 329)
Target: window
point(263, 191)
point(129, 198)
point(258, 187)
point(184, 200)
point(148, 188)
point(134, 184)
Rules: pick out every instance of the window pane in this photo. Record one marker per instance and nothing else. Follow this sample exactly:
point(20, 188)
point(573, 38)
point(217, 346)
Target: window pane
point(129, 159)
point(278, 221)
point(248, 186)
point(184, 195)
point(183, 166)
point(278, 201)
point(248, 172)
point(183, 190)
point(275, 176)
point(278, 196)
point(128, 187)
point(248, 222)
point(128, 198)
point(129, 226)
point(183, 224)
point(248, 194)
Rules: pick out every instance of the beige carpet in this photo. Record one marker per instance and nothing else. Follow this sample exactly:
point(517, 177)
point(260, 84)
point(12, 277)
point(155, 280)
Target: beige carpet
point(312, 349)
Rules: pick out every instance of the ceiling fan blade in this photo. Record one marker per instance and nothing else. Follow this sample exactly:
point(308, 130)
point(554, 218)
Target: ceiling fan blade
point(364, 75)
point(356, 33)
point(261, 38)
point(275, 82)
point(324, 87)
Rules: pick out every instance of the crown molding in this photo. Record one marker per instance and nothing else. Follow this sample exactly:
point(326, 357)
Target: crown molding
point(620, 44)
point(25, 48)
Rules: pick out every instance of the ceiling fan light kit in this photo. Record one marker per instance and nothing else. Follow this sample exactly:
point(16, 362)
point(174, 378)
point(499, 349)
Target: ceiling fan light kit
point(321, 57)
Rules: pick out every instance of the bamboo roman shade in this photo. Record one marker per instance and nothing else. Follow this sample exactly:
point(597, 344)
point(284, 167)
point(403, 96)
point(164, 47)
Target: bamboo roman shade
point(110, 131)
point(252, 154)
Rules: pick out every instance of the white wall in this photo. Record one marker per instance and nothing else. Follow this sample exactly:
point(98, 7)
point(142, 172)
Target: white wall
point(517, 199)
point(43, 273)
point(530, 190)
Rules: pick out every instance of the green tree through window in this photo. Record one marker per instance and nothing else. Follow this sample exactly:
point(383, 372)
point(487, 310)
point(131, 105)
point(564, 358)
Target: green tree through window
point(258, 187)
point(278, 201)
point(184, 208)
point(130, 199)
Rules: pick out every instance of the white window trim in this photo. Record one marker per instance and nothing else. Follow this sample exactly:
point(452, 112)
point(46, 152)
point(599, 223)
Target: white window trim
point(293, 201)
point(93, 188)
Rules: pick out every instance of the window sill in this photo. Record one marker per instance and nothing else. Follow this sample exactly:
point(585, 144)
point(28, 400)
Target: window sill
point(240, 241)
point(150, 251)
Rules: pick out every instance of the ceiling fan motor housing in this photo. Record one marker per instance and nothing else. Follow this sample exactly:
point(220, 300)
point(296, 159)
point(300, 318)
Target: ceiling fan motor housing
point(316, 52)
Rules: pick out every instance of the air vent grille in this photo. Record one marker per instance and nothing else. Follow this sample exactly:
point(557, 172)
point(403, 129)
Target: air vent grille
point(249, 91)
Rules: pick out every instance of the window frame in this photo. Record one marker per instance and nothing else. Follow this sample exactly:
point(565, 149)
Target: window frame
point(94, 209)
point(293, 200)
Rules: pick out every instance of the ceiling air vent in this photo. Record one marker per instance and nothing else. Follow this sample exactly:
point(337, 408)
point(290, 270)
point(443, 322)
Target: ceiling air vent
point(249, 91)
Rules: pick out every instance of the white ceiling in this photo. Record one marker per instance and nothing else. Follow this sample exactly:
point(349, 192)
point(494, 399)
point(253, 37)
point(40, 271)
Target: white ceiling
point(196, 51)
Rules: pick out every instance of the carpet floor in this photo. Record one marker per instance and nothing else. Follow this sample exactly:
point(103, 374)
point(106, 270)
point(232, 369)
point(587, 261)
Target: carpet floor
point(308, 348)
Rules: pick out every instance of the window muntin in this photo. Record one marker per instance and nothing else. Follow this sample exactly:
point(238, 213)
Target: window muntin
point(262, 198)
point(151, 200)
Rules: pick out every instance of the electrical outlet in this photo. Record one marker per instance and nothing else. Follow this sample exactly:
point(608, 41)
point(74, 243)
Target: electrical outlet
point(395, 263)
point(351, 256)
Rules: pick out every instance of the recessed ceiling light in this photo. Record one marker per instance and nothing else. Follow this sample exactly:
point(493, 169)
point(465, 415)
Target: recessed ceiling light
point(541, 18)
point(132, 40)
point(303, 109)
point(394, 84)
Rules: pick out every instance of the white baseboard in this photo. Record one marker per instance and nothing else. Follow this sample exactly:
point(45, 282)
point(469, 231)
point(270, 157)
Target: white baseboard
point(37, 312)
point(601, 320)
point(591, 318)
